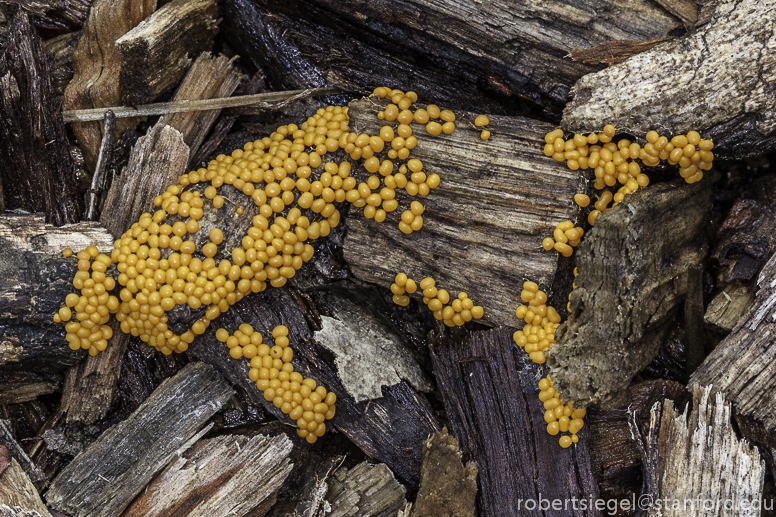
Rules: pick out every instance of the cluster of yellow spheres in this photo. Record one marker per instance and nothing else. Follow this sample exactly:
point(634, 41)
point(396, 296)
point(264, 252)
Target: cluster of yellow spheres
point(455, 313)
point(566, 236)
point(481, 121)
point(301, 399)
point(560, 417)
point(541, 320)
point(536, 337)
point(92, 309)
point(618, 163)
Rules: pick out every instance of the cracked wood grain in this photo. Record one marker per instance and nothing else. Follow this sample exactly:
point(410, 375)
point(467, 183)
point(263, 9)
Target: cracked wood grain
point(719, 80)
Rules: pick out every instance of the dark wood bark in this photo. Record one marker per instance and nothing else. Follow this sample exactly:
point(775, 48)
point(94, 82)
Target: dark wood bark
point(60, 51)
point(742, 365)
point(490, 391)
point(36, 171)
point(483, 225)
point(220, 477)
point(34, 280)
point(16, 451)
point(632, 277)
point(18, 387)
point(157, 53)
point(57, 14)
point(447, 487)
point(106, 477)
point(717, 80)
point(208, 78)
point(495, 48)
point(97, 67)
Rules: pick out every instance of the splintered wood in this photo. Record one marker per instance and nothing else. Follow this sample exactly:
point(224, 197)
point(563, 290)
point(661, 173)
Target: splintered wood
point(226, 476)
point(103, 479)
point(717, 80)
point(743, 365)
point(702, 466)
point(483, 225)
point(632, 277)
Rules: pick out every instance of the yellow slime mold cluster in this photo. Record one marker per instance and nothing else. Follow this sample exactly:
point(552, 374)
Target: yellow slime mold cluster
point(301, 399)
point(457, 313)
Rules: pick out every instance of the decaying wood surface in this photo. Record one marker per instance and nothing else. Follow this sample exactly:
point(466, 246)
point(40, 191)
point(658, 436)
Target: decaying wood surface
point(632, 276)
point(56, 14)
point(517, 49)
point(18, 496)
point(157, 161)
point(157, 52)
point(391, 428)
point(718, 81)
point(727, 307)
point(208, 78)
point(700, 461)
point(17, 452)
point(97, 67)
point(103, 479)
point(36, 171)
point(60, 51)
point(34, 280)
point(483, 226)
point(491, 395)
point(742, 366)
point(447, 487)
point(613, 52)
point(365, 489)
point(615, 455)
point(219, 477)
point(18, 387)
point(224, 125)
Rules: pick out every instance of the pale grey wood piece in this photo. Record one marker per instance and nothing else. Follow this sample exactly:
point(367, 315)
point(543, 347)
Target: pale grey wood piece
point(225, 476)
point(18, 496)
point(365, 489)
point(632, 278)
point(483, 226)
point(103, 479)
point(717, 80)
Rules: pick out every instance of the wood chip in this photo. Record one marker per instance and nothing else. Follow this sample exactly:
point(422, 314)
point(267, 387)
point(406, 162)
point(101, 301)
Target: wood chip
point(18, 496)
point(613, 52)
point(632, 273)
point(226, 476)
point(97, 67)
point(491, 395)
point(716, 80)
point(106, 477)
point(483, 226)
point(365, 489)
point(36, 170)
point(167, 40)
point(743, 365)
point(447, 487)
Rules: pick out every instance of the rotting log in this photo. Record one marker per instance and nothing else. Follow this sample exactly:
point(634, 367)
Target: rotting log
point(36, 171)
point(632, 279)
point(103, 479)
point(157, 52)
point(365, 490)
point(695, 462)
point(97, 67)
point(208, 78)
point(447, 487)
point(483, 225)
point(219, 477)
point(516, 49)
point(34, 280)
point(491, 395)
point(18, 496)
point(391, 428)
point(156, 161)
point(743, 365)
point(717, 80)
